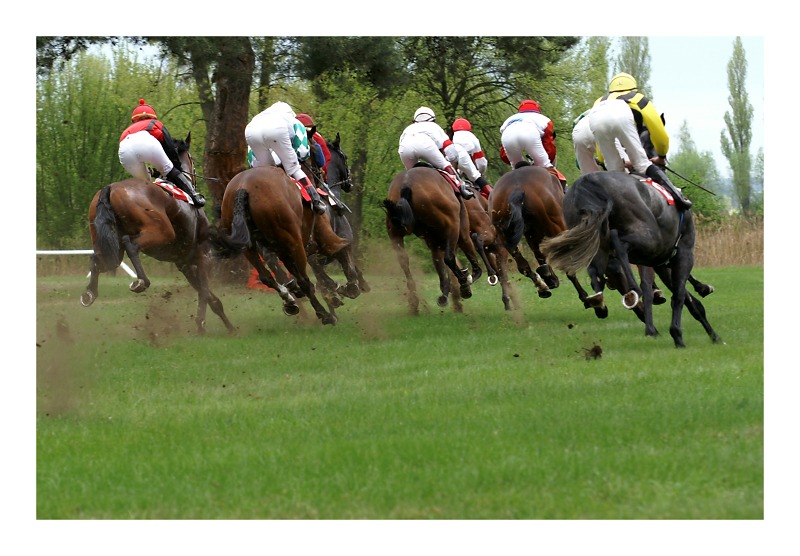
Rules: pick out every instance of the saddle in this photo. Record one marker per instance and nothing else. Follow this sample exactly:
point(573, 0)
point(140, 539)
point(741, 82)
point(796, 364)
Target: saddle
point(304, 193)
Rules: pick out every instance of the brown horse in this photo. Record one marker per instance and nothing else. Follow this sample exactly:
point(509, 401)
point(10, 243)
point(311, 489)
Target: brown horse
point(136, 216)
point(527, 202)
point(263, 209)
point(421, 202)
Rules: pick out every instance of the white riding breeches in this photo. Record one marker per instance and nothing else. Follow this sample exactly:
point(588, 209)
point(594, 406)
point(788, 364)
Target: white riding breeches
point(612, 120)
point(519, 138)
point(418, 146)
point(266, 136)
point(139, 149)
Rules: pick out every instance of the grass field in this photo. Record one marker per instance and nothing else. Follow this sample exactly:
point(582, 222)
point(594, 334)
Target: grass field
point(545, 412)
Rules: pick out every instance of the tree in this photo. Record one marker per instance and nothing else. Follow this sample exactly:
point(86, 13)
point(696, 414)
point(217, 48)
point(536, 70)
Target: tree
point(736, 144)
point(634, 58)
point(700, 169)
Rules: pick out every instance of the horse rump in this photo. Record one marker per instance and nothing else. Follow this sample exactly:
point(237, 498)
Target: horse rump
point(400, 213)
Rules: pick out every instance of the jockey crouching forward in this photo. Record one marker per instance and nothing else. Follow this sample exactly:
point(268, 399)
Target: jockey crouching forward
point(426, 140)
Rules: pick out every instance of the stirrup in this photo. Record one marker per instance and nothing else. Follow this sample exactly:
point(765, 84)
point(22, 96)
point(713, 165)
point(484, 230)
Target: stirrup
point(318, 206)
point(466, 192)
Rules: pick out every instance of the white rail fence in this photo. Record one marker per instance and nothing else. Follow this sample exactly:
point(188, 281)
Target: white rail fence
point(124, 267)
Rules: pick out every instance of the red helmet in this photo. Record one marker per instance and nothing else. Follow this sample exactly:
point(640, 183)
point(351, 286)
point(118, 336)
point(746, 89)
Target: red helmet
point(143, 112)
point(529, 106)
point(305, 119)
point(462, 124)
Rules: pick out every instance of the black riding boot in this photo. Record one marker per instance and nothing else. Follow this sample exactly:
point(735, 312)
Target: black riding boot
point(182, 182)
point(484, 187)
point(463, 190)
point(655, 173)
point(317, 205)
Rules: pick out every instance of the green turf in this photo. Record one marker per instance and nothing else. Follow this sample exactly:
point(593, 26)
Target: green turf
point(483, 414)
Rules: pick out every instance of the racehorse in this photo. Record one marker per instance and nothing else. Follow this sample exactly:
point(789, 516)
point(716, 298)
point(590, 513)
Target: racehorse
point(136, 216)
point(420, 201)
point(527, 202)
point(263, 209)
point(488, 245)
point(338, 181)
point(615, 220)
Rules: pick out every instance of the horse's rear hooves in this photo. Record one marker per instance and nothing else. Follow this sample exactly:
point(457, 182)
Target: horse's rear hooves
point(329, 319)
point(630, 299)
point(87, 298)
point(139, 285)
point(291, 310)
point(544, 294)
point(492, 279)
point(441, 301)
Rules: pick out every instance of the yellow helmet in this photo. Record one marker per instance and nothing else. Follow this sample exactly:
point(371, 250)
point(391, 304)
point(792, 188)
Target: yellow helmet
point(622, 82)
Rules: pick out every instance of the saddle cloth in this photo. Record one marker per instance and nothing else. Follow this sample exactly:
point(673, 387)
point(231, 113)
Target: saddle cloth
point(660, 188)
point(176, 193)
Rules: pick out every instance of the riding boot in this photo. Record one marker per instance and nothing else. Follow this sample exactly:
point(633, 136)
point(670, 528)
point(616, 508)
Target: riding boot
point(176, 177)
point(317, 205)
point(463, 190)
point(484, 186)
point(655, 173)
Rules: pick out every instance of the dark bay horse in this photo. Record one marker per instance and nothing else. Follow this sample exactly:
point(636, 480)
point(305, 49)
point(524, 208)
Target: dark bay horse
point(263, 209)
point(527, 202)
point(338, 181)
point(421, 202)
point(615, 220)
point(135, 216)
point(488, 245)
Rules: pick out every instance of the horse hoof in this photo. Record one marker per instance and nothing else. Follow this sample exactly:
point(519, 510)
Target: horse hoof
point(492, 280)
point(138, 286)
point(466, 292)
point(335, 302)
point(441, 301)
point(630, 299)
point(329, 319)
point(544, 294)
point(87, 298)
point(291, 310)
point(601, 312)
point(349, 290)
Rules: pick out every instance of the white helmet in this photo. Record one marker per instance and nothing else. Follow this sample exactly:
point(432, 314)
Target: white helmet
point(424, 114)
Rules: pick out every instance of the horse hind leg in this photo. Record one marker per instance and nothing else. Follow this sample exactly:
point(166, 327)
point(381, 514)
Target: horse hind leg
point(142, 282)
point(524, 267)
point(91, 293)
point(290, 307)
point(197, 277)
point(411, 287)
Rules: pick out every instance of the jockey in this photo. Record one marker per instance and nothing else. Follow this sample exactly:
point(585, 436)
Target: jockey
point(467, 168)
point(318, 142)
point(610, 120)
point(277, 130)
point(530, 132)
point(463, 136)
point(425, 140)
point(147, 141)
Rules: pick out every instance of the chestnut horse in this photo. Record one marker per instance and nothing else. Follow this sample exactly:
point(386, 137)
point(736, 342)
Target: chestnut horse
point(136, 216)
point(527, 202)
point(421, 202)
point(263, 209)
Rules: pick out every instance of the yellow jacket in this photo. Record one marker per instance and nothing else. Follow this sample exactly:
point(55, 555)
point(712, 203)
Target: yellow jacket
point(645, 115)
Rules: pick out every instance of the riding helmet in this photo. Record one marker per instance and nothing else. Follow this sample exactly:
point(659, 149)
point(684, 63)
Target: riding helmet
point(306, 120)
point(424, 114)
point(462, 124)
point(528, 106)
point(622, 82)
point(143, 112)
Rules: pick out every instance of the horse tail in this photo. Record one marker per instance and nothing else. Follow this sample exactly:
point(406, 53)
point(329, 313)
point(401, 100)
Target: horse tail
point(400, 213)
point(514, 226)
point(239, 238)
point(106, 247)
point(575, 248)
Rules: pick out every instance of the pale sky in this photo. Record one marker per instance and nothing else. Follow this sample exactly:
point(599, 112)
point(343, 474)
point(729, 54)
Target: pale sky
point(689, 81)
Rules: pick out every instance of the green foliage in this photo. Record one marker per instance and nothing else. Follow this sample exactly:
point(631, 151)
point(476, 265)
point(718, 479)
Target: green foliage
point(484, 414)
point(81, 112)
point(698, 167)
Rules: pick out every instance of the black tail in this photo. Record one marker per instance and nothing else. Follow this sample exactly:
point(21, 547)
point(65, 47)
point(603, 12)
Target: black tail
point(106, 247)
point(575, 248)
point(400, 214)
point(239, 239)
point(514, 227)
